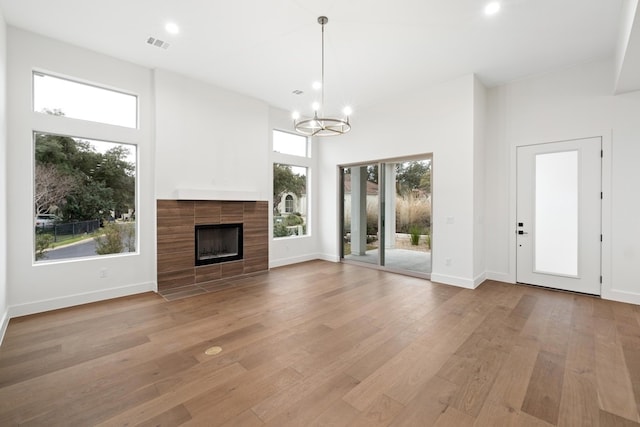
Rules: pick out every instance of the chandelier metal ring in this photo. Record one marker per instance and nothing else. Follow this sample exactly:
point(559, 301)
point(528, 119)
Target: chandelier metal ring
point(323, 126)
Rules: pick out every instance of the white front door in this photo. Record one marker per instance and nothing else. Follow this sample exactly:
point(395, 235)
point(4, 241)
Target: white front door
point(558, 227)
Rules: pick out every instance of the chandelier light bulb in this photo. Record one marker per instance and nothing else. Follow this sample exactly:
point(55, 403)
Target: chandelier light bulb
point(315, 106)
point(347, 111)
point(295, 115)
point(316, 85)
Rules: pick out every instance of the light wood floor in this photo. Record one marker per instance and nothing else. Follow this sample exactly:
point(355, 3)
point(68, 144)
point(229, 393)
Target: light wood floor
point(328, 344)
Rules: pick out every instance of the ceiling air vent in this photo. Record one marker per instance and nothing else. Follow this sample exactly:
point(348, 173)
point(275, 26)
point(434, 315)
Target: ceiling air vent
point(157, 42)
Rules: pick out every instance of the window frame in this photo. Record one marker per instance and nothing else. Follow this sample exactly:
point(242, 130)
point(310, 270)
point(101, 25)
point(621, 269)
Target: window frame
point(90, 84)
point(295, 161)
point(307, 144)
point(89, 130)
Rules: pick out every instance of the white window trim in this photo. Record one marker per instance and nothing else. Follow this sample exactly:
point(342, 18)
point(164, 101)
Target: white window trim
point(291, 160)
point(78, 128)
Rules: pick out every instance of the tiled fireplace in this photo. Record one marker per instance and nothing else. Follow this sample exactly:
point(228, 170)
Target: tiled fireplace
point(220, 222)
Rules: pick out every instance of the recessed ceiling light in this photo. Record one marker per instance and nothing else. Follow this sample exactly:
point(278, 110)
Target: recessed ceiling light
point(172, 28)
point(492, 8)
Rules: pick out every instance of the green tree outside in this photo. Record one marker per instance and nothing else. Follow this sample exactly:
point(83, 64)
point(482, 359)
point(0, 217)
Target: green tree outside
point(413, 175)
point(102, 182)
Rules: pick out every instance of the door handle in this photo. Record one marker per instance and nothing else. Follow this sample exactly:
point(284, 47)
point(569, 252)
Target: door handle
point(522, 232)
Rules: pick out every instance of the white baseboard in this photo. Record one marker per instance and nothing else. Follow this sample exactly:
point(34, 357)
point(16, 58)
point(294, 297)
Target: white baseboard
point(477, 281)
point(4, 322)
point(292, 260)
point(621, 296)
point(454, 281)
point(499, 277)
point(328, 257)
point(78, 299)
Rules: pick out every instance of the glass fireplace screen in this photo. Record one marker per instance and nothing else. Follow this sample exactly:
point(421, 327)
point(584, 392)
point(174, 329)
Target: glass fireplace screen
point(217, 243)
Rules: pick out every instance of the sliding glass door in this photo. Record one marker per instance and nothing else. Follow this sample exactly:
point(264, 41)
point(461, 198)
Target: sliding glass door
point(361, 213)
point(386, 214)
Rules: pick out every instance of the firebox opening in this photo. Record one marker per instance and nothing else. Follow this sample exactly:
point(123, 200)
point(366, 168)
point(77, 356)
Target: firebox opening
point(217, 243)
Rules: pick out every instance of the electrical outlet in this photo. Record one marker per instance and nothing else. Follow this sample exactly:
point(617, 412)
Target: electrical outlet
point(103, 273)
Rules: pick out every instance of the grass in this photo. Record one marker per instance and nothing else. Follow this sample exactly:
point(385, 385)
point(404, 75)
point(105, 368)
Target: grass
point(68, 239)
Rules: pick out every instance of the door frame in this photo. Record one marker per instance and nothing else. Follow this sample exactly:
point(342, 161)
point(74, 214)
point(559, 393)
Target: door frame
point(586, 155)
point(381, 212)
point(605, 255)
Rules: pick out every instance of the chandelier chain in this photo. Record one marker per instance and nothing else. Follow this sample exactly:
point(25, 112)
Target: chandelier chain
point(322, 22)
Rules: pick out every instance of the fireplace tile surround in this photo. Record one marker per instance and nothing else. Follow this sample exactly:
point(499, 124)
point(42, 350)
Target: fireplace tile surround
point(176, 221)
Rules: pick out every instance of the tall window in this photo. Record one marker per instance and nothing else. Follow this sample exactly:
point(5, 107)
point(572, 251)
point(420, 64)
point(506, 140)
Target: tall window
point(84, 189)
point(290, 185)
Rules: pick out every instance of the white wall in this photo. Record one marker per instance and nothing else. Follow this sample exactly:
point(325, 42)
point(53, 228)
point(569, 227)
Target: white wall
point(623, 284)
point(219, 143)
point(479, 122)
point(209, 139)
point(289, 250)
point(34, 288)
point(436, 120)
point(627, 55)
point(569, 104)
point(4, 314)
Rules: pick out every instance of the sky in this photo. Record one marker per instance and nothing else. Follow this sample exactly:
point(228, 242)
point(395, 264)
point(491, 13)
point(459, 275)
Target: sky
point(288, 143)
point(83, 101)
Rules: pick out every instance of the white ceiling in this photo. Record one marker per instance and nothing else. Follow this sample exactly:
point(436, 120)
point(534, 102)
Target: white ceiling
point(374, 48)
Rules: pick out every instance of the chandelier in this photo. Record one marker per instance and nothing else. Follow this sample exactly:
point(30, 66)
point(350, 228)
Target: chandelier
point(319, 125)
